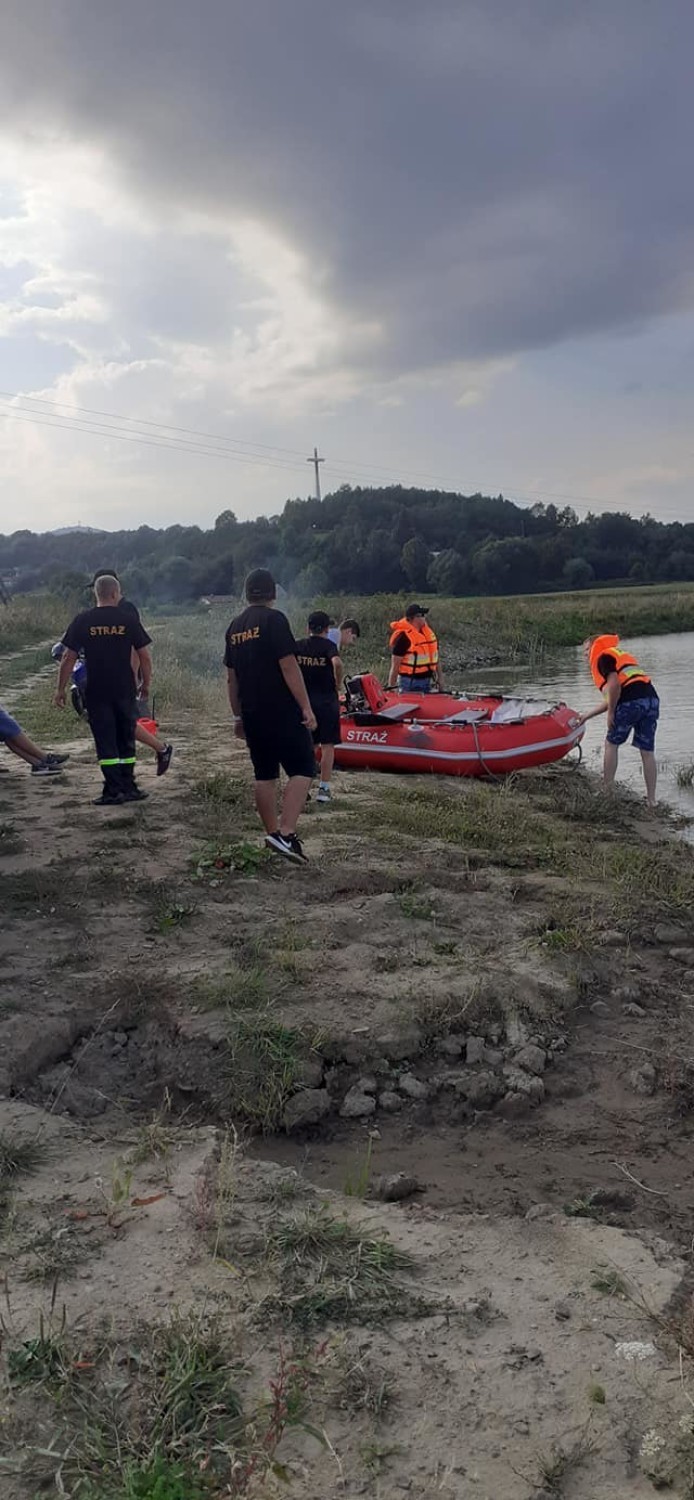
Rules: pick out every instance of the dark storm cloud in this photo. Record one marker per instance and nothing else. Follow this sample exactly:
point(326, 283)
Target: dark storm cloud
point(482, 177)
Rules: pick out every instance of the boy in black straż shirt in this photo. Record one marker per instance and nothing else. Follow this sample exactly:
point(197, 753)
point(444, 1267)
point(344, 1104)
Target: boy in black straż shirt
point(322, 670)
point(108, 635)
point(271, 711)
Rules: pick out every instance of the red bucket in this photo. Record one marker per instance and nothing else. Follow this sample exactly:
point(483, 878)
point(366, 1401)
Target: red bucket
point(149, 724)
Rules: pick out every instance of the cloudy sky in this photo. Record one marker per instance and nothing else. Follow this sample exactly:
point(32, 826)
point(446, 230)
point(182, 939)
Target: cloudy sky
point(449, 241)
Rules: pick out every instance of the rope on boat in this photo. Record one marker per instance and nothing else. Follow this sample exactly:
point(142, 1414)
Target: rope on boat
point(492, 774)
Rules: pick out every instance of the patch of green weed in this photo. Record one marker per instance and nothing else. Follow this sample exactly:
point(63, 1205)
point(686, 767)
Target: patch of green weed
point(263, 1061)
point(19, 1156)
point(217, 860)
point(332, 1271)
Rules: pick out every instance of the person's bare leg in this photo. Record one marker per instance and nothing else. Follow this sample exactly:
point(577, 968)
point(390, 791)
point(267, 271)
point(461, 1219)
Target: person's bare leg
point(25, 748)
point(327, 761)
point(610, 764)
point(266, 804)
point(151, 741)
point(293, 803)
point(650, 774)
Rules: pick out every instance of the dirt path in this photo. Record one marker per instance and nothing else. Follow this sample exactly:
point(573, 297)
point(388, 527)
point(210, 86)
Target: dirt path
point(488, 989)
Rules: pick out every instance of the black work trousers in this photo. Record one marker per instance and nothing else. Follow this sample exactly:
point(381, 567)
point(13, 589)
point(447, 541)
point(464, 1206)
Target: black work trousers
point(112, 722)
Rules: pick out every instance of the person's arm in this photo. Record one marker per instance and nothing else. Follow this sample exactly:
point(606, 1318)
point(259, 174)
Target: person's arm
point(144, 657)
point(293, 676)
point(235, 702)
point(608, 704)
point(395, 665)
point(613, 691)
point(439, 675)
point(339, 671)
point(594, 712)
point(67, 662)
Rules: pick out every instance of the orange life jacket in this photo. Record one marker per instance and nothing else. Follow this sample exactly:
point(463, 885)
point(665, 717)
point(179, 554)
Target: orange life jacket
point(422, 658)
point(626, 666)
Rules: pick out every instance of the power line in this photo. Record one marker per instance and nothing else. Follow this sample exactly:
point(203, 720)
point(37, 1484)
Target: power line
point(216, 445)
point(160, 428)
point(64, 424)
point(193, 432)
point(349, 465)
point(217, 438)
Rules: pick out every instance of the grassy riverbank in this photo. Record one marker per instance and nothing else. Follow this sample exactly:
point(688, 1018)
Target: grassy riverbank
point(513, 625)
point(188, 647)
point(510, 628)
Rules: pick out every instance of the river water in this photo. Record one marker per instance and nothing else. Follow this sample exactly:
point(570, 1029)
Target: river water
point(668, 659)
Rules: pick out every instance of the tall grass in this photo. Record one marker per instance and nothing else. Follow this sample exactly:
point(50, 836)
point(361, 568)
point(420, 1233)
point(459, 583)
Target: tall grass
point(32, 617)
point(187, 652)
point(517, 625)
point(188, 648)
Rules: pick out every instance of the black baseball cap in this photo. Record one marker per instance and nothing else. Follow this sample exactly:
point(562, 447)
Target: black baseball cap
point(415, 609)
point(318, 620)
point(260, 586)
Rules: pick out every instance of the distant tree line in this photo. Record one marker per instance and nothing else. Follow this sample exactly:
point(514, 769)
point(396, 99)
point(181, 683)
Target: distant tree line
point(364, 541)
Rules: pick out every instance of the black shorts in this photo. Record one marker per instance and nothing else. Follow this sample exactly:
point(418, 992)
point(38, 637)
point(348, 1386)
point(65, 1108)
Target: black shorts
point(276, 743)
point(327, 711)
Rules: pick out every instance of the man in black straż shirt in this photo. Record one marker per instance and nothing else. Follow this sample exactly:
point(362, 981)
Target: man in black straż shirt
point(163, 749)
point(271, 711)
point(107, 635)
point(322, 670)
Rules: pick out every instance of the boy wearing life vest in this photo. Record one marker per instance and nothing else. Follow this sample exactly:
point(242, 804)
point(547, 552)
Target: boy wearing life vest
point(630, 702)
point(414, 659)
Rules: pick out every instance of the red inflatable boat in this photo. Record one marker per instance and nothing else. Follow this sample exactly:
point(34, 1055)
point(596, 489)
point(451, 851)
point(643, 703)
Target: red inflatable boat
point(388, 731)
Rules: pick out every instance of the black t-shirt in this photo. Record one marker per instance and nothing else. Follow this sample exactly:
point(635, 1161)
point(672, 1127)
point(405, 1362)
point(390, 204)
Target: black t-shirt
point(106, 636)
point(315, 655)
point(256, 642)
point(401, 644)
point(130, 609)
point(607, 663)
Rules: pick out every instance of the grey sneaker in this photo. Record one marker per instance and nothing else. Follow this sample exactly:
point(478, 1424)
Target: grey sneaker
point(324, 794)
point(46, 768)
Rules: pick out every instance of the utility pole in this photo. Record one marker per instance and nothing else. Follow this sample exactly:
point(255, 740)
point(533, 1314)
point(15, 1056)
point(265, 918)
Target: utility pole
point(316, 461)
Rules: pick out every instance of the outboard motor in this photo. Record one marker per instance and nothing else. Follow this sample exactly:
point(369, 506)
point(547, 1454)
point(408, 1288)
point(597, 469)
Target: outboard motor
point(365, 694)
point(355, 702)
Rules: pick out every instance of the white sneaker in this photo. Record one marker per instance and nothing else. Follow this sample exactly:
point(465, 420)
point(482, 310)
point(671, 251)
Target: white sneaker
point(324, 794)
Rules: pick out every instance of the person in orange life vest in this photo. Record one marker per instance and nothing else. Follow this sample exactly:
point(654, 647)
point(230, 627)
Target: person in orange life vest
point(630, 702)
point(414, 660)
